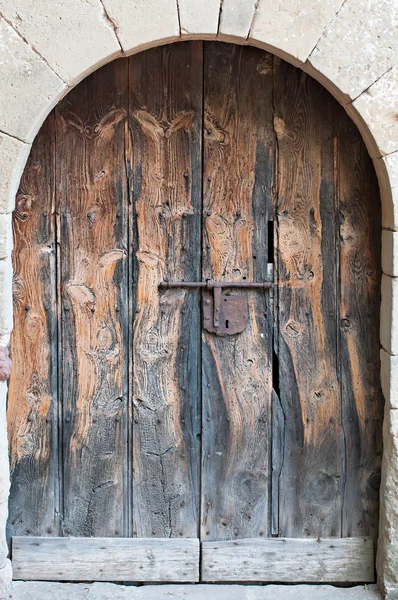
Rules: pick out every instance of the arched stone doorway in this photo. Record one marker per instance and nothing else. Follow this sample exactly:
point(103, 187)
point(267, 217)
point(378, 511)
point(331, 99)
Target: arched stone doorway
point(345, 43)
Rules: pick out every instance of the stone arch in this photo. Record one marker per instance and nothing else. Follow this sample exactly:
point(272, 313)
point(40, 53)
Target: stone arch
point(47, 48)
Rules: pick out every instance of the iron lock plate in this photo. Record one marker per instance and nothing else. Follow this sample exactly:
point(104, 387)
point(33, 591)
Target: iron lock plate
point(222, 314)
point(232, 315)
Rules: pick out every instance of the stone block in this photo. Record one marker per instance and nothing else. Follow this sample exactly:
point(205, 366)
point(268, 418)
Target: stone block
point(6, 580)
point(387, 174)
point(236, 18)
point(5, 235)
point(74, 37)
point(29, 88)
point(6, 322)
point(199, 19)
point(389, 314)
point(359, 45)
point(13, 156)
point(140, 23)
point(378, 107)
point(389, 378)
point(389, 244)
point(292, 27)
point(387, 551)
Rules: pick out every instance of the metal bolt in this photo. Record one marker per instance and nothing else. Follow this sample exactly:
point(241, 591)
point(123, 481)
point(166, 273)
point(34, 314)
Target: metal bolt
point(183, 348)
point(183, 387)
point(209, 213)
point(27, 307)
point(208, 419)
point(209, 385)
point(137, 310)
point(93, 310)
point(67, 419)
point(117, 419)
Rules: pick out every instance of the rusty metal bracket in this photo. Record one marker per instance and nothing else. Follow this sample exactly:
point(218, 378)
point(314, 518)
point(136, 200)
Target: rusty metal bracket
point(222, 315)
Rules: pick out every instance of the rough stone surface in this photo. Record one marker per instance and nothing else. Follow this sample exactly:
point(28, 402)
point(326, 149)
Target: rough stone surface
point(72, 36)
point(389, 244)
point(359, 45)
point(6, 580)
point(13, 156)
point(5, 571)
point(389, 314)
point(291, 26)
point(6, 322)
point(140, 22)
point(236, 18)
point(387, 550)
point(29, 88)
point(108, 591)
point(5, 235)
point(378, 107)
point(389, 378)
point(199, 18)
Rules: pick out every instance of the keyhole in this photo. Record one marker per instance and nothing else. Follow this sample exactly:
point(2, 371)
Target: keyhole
point(226, 324)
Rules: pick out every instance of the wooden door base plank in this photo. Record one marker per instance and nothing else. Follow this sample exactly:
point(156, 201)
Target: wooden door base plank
point(105, 559)
point(283, 560)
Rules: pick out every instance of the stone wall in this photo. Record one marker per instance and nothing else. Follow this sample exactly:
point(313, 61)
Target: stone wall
point(350, 46)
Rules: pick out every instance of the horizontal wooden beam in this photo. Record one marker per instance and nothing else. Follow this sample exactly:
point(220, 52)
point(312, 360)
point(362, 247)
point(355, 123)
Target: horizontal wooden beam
point(289, 560)
point(105, 559)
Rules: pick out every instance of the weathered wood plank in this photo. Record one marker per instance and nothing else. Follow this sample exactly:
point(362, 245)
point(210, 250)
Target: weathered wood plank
point(105, 559)
point(307, 274)
point(236, 370)
point(166, 118)
point(92, 200)
point(360, 275)
point(33, 394)
point(289, 560)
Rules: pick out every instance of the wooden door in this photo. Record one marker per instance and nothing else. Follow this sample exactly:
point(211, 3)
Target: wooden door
point(142, 444)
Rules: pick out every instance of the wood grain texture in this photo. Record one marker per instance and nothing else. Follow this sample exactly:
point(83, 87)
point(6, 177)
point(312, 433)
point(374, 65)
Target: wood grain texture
point(105, 559)
point(236, 371)
point(289, 560)
point(92, 200)
point(307, 272)
point(166, 118)
point(360, 275)
point(33, 394)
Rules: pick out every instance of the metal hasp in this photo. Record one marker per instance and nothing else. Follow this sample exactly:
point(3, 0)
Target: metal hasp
point(222, 315)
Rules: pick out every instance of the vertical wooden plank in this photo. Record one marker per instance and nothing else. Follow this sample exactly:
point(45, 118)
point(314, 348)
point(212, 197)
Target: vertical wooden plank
point(166, 118)
point(309, 481)
point(92, 196)
point(360, 227)
point(237, 370)
point(33, 397)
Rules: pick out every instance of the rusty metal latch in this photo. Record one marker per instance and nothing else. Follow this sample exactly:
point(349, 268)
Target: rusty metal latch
point(222, 315)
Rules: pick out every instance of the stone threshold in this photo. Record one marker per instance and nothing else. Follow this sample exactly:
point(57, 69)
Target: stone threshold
point(40, 590)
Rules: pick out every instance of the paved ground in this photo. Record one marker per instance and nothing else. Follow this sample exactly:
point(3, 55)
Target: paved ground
point(108, 591)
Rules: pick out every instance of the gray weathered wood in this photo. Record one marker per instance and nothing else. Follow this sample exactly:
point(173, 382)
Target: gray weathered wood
point(105, 559)
point(289, 560)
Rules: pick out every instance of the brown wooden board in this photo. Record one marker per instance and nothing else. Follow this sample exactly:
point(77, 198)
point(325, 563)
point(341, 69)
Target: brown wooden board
point(33, 393)
point(307, 274)
point(236, 370)
point(166, 119)
point(360, 275)
point(93, 223)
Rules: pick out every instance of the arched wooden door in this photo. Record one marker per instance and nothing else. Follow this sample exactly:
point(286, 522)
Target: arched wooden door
point(130, 417)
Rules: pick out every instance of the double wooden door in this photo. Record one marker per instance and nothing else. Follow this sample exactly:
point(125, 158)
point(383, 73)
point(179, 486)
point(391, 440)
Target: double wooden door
point(127, 419)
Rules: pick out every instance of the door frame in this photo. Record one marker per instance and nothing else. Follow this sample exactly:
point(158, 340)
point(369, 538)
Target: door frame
point(15, 149)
